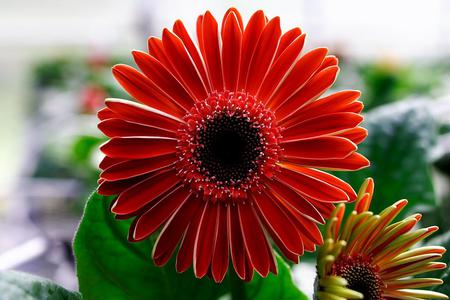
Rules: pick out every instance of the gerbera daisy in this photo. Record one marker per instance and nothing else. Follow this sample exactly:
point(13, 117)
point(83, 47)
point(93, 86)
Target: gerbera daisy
point(224, 146)
point(366, 256)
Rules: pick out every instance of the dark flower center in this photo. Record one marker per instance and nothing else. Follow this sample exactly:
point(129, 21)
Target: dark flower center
point(361, 277)
point(230, 147)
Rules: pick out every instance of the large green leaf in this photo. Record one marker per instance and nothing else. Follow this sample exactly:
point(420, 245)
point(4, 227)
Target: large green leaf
point(110, 267)
point(16, 285)
point(401, 136)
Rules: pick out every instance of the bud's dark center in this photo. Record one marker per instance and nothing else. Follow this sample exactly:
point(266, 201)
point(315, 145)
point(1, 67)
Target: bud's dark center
point(361, 277)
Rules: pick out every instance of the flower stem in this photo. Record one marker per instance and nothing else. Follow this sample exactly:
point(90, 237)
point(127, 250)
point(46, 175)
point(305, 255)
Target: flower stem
point(237, 287)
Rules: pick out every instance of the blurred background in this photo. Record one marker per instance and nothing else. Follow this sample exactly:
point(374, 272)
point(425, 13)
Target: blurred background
point(55, 61)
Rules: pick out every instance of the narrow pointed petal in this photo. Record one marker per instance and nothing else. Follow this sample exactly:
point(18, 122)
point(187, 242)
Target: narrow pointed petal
point(279, 68)
point(278, 222)
point(139, 147)
point(292, 199)
point(137, 167)
point(206, 239)
point(237, 248)
point(326, 147)
point(322, 125)
point(328, 178)
point(251, 35)
point(164, 79)
point(185, 254)
point(121, 128)
point(211, 51)
point(318, 84)
point(158, 214)
point(336, 102)
point(238, 16)
point(299, 75)
point(286, 39)
point(183, 65)
point(144, 192)
point(254, 239)
point(173, 231)
point(231, 51)
point(220, 259)
point(134, 112)
point(180, 30)
point(144, 90)
point(263, 55)
point(312, 187)
point(353, 162)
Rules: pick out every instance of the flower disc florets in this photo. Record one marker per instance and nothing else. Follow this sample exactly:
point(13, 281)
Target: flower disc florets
point(227, 143)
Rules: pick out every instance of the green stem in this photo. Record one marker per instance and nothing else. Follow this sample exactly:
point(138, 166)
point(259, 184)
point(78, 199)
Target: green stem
point(237, 287)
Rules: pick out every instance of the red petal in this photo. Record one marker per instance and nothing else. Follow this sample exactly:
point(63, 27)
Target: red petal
point(110, 188)
point(325, 147)
point(206, 239)
point(180, 30)
point(279, 223)
point(186, 252)
point(286, 39)
point(312, 187)
point(231, 51)
point(308, 229)
point(220, 259)
point(279, 69)
point(105, 113)
point(211, 51)
point(137, 167)
point(254, 239)
point(151, 220)
point(263, 55)
point(145, 91)
point(156, 49)
point(293, 200)
point(121, 128)
point(251, 35)
point(353, 162)
point(139, 147)
point(323, 176)
point(183, 65)
point(336, 102)
point(302, 71)
point(237, 247)
point(144, 192)
point(238, 17)
point(109, 161)
point(322, 125)
point(356, 135)
point(330, 60)
point(173, 231)
point(315, 87)
point(137, 113)
point(163, 79)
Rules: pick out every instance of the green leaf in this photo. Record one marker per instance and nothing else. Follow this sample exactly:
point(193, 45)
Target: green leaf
point(400, 139)
point(110, 267)
point(279, 286)
point(16, 285)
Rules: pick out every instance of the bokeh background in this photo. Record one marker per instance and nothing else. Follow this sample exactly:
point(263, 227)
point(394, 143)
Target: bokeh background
point(55, 61)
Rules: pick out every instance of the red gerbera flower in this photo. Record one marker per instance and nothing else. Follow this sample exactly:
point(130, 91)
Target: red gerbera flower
point(224, 148)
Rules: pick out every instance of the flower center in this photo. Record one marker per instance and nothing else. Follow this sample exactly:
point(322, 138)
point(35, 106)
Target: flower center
point(226, 145)
point(361, 276)
point(230, 147)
